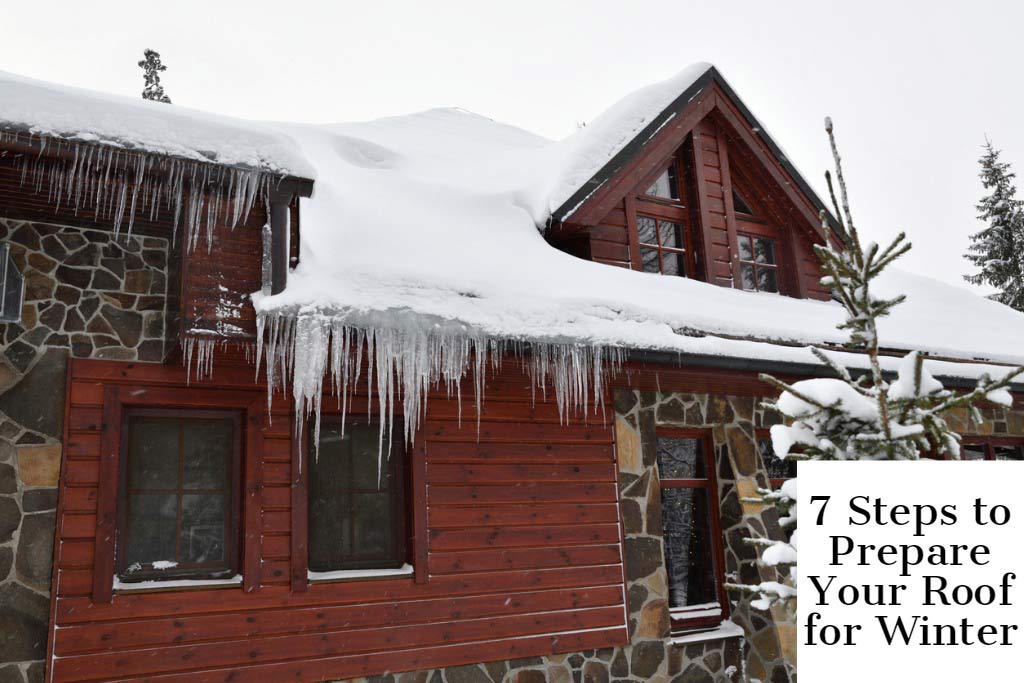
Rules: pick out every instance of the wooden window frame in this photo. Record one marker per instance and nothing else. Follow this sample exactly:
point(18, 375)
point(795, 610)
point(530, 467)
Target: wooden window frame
point(990, 442)
point(119, 398)
point(398, 465)
point(233, 491)
point(662, 209)
point(415, 497)
point(758, 266)
point(680, 622)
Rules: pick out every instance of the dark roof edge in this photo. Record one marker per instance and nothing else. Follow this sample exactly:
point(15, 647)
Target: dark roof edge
point(777, 367)
point(711, 75)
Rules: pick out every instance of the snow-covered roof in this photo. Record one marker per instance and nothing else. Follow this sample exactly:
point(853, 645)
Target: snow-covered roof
point(75, 114)
point(432, 219)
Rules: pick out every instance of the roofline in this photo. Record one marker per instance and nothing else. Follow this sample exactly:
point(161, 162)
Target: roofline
point(709, 77)
point(779, 367)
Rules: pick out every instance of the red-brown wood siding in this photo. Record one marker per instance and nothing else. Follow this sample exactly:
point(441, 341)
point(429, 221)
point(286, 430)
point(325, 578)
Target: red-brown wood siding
point(523, 551)
point(711, 201)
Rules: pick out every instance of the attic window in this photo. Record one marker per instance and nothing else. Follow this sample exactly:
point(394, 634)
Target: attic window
point(666, 185)
point(758, 267)
point(740, 205)
point(663, 247)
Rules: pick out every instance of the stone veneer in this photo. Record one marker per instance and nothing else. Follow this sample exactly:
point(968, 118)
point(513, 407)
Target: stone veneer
point(87, 295)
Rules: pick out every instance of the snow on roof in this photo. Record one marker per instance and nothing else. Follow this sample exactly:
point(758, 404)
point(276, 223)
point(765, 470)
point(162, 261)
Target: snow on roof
point(76, 114)
point(432, 219)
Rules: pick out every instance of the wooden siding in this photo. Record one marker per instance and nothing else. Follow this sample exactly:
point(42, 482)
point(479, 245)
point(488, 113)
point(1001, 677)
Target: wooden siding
point(521, 550)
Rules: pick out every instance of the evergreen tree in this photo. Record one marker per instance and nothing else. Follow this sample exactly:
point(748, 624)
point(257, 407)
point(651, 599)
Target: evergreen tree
point(998, 249)
point(864, 417)
point(151, 67)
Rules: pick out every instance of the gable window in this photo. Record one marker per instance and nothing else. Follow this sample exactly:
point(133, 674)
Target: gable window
point(662, 246)
point(740, 205)
point(758, 266)
point(356, 513)
point(179, 505)
point(666, 185)
point(692, 535)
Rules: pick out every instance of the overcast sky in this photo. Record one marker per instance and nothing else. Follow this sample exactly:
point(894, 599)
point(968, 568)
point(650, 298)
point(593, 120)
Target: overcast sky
point(913, 87)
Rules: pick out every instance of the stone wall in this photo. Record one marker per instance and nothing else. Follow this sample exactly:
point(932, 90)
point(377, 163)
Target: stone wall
point(86, 295)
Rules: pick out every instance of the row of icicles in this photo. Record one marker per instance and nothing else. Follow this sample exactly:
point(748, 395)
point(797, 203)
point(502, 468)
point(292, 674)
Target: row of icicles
point(117, 184)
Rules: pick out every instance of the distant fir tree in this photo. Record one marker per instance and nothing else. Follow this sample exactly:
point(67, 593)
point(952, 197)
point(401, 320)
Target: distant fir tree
point(998, 250)
point(151, 67)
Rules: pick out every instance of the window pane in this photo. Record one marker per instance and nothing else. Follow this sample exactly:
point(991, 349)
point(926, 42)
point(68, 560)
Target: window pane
point(1008, 452)
point(746, 252)
point(972, 452)
point(649, 260)
point(373, 528)
point(764, 250)
point(766, 280)
point(351, 520)
point(666, 185)
point(202, 528)
point(747, 277)
point(688, 549)
point(646, 229)
point(778, 468)
point(152, 526)
point(207, 450)
point(153, 445)
point(670, 234)
point(680, 458)
point(739, 204)
point(673, 263)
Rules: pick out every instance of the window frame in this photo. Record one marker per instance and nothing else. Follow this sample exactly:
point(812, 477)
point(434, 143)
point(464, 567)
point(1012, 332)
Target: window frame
point(232, 518)
point(117, 398)
point(741, 235)
point(990, 442)
point(399, 466)
point(698, 618)
point(663, 209)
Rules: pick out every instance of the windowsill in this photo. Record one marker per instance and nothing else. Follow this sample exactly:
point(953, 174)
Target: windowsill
point(727, 629)
point(156, 586)
point(359, 574)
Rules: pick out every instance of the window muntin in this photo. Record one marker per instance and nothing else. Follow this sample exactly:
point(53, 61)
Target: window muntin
point(692, 536)
point(179, 503)
point(666, 185)
point(779, 469)
point(355, 520)
point(758, 265)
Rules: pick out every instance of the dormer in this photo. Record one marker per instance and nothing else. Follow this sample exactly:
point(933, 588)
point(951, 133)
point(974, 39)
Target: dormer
point(702, 192)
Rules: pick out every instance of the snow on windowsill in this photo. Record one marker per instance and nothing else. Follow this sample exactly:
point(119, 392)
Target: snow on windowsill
point(184, 584)
point(727, 629)
point(359, 574)
point(710, 609)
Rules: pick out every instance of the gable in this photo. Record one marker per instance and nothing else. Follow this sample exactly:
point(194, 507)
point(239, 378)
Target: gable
point(720, 154)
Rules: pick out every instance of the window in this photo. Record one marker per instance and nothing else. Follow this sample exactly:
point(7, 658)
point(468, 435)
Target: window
point(992, 448)
point(779, 469)
point(666, 185)
point(758, 267)
point(740, 205)
point(179, 505)
point(692, 534)
point(662, 246)
point(356, 512)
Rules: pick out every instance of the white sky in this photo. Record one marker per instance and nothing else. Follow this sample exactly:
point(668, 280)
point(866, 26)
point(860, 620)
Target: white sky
point(912, 86)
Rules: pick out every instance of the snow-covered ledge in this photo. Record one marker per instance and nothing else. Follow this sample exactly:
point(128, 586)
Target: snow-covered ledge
point(727, 629)
point(359, 574)
point(178, 584)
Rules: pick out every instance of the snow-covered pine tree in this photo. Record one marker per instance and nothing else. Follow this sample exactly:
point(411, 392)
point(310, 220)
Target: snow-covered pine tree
point(864, 417)
point(998, 249)
point(152, 66)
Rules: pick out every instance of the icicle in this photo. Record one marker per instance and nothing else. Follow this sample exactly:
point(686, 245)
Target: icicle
point(406, 363)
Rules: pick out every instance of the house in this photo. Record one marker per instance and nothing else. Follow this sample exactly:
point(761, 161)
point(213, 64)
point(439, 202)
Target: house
point(428, 398)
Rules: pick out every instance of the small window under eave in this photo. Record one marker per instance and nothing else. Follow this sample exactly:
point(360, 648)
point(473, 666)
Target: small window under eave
point(740, 205)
